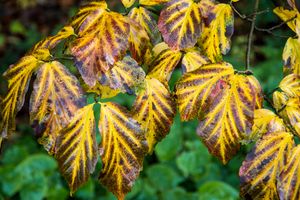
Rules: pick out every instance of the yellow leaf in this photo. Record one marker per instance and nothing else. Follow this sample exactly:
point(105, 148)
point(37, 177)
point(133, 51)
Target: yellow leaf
point(263, 165)
point(128, 3)
point(215, 38)
point(101, 45)
point(164, 63)
point(287, 15)
point(291, 57)
point(144, 18)
point(289, 109)
point(124, 75)
point(265, 121)
point(56, 97)
point(194, 88)
point(152, 2)
point(291, 85)
point(102, 90)
point(280, 99)
point(160, 47)
point(229, 116)
point(18, 76)
point(139, 43)
point(288, 182)
point(88, 17)
point(192, 60)
point(76, 148)
point(155, 109)
point(52, 41)
point(180, 23)
point(123, 147)
point(259, 94)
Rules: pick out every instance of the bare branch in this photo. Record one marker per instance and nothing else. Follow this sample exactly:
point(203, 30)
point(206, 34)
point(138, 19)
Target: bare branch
point(250, 36)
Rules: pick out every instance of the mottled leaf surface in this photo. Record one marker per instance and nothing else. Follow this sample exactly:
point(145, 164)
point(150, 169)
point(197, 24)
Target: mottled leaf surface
point(194, 88)
point(56, 98)
point(291, 85)
point(155, 109)
point(18, 76)
point(287, 15)
point(180, 23)
point(76, 148)
point(192, 60)
point(139, 43)
point(215, 39)
point(101, 46)
point(265, 121)
point(122, 149)
point(288, 183)
point(164, 64)
point(88, 17)
point(229, 117)
point(261, 169)
point(144, 18)
point(291, 57)
point(290, 111)
point(124, 75)
point(152, 2)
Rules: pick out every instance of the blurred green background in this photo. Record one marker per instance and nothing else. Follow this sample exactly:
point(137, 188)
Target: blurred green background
point(180, 167)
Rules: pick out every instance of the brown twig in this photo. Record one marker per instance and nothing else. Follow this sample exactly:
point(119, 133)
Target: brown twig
point(269, 30)
point(250, 36)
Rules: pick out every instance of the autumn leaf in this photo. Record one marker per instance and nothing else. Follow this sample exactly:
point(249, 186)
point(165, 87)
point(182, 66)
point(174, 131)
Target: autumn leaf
point(164, 63)
point(180, 23)
point(287, 15)
point(76, 148)
point(128, 3)
point(122, 148)
point(124, 75)
point(218, 29)
point(102, 91)
point(139, 43)
point(88, 17)
point(290, 85)
point(192, 60)
point(289, 109)
point(259, 94)
point(291, 56)
point(145, 19)
point(101, 46)
point(288, 182)
point(52, 41)
point(152, 2)
point(194, 88)
point(261, 169)
point(56, 97)
point(18, 76)
point(155, 109)
point(229, 116)
point(265, 121)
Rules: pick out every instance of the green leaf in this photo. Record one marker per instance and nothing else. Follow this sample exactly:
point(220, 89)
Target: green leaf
point(168, 148)
point(163, 177)
point(178, 193)
point(216, 190)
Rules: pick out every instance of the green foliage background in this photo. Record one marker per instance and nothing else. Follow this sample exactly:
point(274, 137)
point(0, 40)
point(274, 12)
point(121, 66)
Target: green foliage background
point(180, 167)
